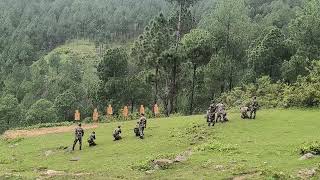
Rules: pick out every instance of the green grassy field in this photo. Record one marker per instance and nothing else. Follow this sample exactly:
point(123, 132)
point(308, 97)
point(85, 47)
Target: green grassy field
point(265, 148)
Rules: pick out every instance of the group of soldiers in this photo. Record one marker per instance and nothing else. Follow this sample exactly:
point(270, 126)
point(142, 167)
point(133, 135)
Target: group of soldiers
point(138, 130)
point(216, 113)
point(252, 109)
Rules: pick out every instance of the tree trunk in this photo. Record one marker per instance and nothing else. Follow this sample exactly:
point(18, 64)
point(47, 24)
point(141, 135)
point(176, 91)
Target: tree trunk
point(173, 92)
point(132, 104)
point(156, 86)
point(174, 97)
point(192, 91)
point(222, 88)
point(231, 79)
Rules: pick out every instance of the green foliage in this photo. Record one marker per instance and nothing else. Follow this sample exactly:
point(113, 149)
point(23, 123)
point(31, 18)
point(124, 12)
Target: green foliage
point(64, 103)
point(303, 93)
point(267, 56)
point(88, 120)
point(179, 54)
point(310, 147)
point(293, 68)
point(197, 47)
point(114, 64)
point(42, 111)
point(44, 125)
point(10, 112)
point(216, 146)
point(305, 30)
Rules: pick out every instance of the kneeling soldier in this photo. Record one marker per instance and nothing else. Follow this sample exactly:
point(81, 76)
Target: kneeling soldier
point(117, 133)
point(136, 129)
point(244, 112)
point(91, 139)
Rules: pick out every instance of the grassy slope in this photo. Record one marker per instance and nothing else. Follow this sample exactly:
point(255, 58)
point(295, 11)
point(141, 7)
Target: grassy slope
point(267, 144)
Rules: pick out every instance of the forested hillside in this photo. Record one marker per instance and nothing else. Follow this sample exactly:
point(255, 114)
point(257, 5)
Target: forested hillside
point(180, 54)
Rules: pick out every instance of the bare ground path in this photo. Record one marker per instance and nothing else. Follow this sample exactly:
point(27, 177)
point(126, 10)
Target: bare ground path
point(12, 134)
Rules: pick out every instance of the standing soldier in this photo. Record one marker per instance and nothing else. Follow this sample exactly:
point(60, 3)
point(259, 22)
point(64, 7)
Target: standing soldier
point(92, 138)
point(211, 115)
point(78, 136)
point(254, 108)
point(142, 125)
point(117, 133)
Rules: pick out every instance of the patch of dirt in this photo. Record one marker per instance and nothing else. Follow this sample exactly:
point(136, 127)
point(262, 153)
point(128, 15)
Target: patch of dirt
point(307, 173)
point(307, 156)
point(52, 173)
point(12, 134)
point(48, 153)
point(164, 163)
point(183, 156)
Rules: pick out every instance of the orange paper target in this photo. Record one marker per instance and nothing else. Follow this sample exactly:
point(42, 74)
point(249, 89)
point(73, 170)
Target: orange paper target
point(156, 109)
point(125, 111)
point(109, 110)
point(141, 109)
point(77, 115)
point(95, 115)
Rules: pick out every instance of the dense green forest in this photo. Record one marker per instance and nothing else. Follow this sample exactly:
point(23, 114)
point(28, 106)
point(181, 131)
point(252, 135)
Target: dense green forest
point(60, 55)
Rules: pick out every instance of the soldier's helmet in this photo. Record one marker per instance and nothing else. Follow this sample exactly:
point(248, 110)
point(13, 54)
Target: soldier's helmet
point(93, 132)
point(119, 126)
point(79, 124)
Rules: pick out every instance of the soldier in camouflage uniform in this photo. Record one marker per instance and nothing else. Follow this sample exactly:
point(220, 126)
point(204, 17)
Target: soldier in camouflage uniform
point(211, 115)
point(136, 129)
point(254, 107)
point(208, 116)
point(92, 138)
point(221, 113)
point(78, 136)
point(117, 133)
point(244, 112)
point(142, 125)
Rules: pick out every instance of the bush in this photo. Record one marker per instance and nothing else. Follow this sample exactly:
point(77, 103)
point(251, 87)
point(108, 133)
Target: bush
point(45, 125)
point(310, 147)
point(42, 111)
point(88, 120)
point(303, 93)
point(10, 112)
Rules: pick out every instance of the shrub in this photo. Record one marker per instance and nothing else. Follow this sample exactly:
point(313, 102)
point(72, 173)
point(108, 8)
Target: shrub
point(88, 120)
point(42, 111)
point(216, 146)
point(303, 93)
point(310, 147)
point(45, 125)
